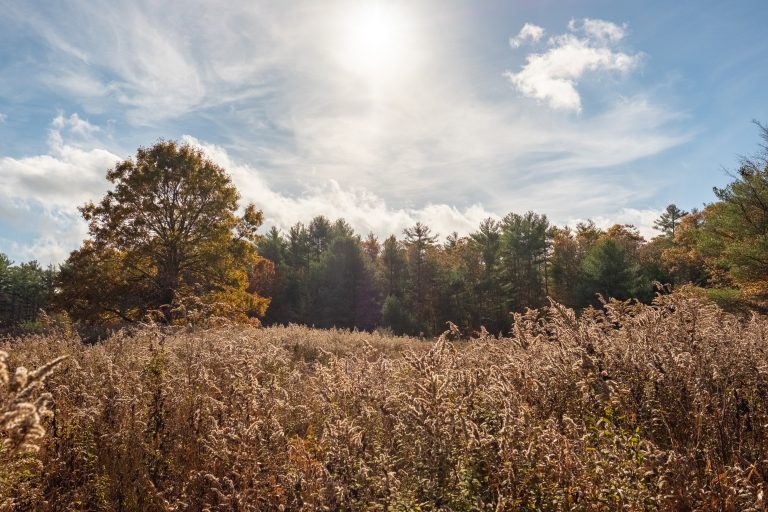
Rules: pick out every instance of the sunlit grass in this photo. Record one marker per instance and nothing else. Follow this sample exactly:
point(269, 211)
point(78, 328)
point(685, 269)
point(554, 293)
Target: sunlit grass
point(634, 408)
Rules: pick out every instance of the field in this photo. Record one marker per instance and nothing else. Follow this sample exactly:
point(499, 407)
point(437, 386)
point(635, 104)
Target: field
point(635, 408)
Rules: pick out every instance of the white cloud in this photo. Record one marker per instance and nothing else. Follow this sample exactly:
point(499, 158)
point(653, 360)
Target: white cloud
point(529, 32)
point(66, 176)
point(553, 76)
point(364, 210)
point(600, 30)
point(50, 248)
point(39, 194)
point(74, 124)
point(3, 117)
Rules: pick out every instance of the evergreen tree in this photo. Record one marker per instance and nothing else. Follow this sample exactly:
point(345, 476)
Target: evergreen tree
point(522, 264)
point(319, 236)
point(734, 234)
point(608, 269)
point(492, 311)
point(343, 289)
point(394, 269)
point(25, 289)
point(5, 275)
point(341, 229)
point(669, 220)
point(418, 241)
point(273, 247)
point(396, 316)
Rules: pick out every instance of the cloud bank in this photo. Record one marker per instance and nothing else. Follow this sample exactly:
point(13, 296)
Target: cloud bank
point(42, 193)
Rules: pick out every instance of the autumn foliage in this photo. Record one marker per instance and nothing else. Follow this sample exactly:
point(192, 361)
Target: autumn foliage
point(166, 233)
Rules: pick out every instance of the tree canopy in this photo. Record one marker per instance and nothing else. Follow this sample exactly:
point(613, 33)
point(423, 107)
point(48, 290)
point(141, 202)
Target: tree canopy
point(734, 231)
point(167, 231)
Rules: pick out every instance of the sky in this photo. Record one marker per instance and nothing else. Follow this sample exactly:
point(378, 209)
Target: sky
point(382, 112)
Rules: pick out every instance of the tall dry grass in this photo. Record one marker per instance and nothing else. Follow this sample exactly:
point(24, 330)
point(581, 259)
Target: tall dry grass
point(631, 408)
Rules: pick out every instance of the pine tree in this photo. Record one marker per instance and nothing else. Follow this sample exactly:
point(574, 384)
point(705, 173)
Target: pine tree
point(523, 259)
point(486, 241)
point(669, 220)
point(418, 240)
point(609, 269)
point(734, 233)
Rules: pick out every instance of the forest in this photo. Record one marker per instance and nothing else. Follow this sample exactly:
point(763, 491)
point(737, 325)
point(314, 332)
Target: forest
point(171, 242)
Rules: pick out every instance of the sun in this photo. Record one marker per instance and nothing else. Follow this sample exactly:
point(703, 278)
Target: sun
point(376, 42)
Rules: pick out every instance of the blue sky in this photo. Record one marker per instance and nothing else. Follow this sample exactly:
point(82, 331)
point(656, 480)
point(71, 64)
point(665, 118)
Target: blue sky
point(383, 112)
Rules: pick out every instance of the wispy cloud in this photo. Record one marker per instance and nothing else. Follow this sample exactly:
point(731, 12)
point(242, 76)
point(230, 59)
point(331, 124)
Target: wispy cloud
point(155, 63)
point(553, 76)
point(529, 33)
point(599, 30)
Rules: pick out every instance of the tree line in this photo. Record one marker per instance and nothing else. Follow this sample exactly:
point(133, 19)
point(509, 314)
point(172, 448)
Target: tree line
point(25, 289)
point(324, 274)
point(171, 242)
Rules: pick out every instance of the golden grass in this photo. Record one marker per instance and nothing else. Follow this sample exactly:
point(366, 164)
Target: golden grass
point(634, 408)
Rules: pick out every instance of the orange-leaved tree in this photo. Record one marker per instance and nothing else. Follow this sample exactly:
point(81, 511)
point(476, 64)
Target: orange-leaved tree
point(166, 236)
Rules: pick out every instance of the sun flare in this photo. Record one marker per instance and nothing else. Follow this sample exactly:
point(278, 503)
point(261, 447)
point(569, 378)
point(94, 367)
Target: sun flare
point(376, 40)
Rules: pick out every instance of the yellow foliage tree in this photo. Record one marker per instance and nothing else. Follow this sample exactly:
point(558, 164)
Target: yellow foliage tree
point(166, 233)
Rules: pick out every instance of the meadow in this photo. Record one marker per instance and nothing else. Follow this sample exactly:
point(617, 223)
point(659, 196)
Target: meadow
point(632, 407)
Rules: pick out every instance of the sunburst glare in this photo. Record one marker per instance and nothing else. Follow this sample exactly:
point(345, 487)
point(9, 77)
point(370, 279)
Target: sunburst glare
point(376, 40)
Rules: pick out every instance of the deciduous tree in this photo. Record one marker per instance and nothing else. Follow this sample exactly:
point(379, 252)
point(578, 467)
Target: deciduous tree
point(167, 230)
